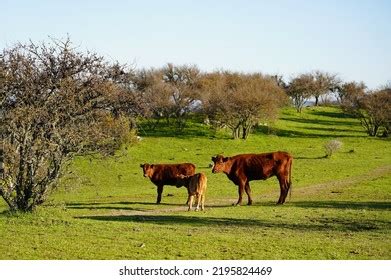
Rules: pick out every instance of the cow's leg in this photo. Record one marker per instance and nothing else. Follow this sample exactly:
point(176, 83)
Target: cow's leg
point(159, 194)
point(241, 189)
point(286, 189)
point(283, 190)
point(248, 192)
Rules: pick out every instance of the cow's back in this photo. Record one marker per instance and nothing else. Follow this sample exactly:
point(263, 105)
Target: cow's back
point(257, 166)
point(166, 174)
point(197, 184)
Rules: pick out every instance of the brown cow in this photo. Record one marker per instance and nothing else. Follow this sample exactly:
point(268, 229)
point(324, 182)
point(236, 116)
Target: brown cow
point(241, 169)
point(166, 174)
point(196, 185)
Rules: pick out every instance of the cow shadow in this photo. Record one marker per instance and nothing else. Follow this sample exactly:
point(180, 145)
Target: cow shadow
point(119, 205)
point(320, 224)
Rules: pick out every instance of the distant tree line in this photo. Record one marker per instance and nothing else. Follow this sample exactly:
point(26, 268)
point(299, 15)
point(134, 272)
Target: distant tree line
point(371, 107)
point(57, 102)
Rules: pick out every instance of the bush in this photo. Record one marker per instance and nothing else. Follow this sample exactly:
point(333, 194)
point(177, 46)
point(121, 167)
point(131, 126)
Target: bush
point(56, 103)
point(332, 146)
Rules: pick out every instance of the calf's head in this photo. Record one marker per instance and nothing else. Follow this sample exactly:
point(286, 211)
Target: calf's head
point(147, 169)
point(218, 163)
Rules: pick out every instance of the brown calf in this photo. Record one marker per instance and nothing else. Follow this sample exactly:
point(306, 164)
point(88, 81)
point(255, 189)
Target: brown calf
point(166, 174)
point(241, 169)
point(196, 185)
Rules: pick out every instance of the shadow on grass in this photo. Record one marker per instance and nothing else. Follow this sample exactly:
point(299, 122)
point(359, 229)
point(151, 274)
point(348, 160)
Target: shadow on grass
point(121, 205)
point(193, 129)
point(337, 115)
point(320, 157)
point(329, 123)
point(308, 134)
point(321, 224)
point(333, 129)
point(368, 205)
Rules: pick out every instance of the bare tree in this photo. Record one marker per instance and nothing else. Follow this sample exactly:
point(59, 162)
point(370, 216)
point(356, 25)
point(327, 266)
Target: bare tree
point(300, 89)
point(350, 91)
point(183, 82)
point(156, 95)
point(323, 83)
point(240, 101)
point(373, 109)
point(56, 102)
point(375, 112)
point(170, 92)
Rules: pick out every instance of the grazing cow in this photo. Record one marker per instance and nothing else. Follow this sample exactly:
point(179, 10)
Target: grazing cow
point(166, 174)
point(241, 169)
point(196, 185)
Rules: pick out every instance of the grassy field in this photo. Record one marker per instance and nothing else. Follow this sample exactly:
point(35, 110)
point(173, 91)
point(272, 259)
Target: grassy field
point(104, 208)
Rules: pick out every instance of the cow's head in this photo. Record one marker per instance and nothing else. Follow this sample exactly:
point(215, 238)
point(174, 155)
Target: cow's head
point(147, 169)
point(218, 163)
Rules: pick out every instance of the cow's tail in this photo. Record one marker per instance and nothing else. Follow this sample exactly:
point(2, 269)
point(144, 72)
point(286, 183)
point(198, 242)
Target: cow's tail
point(290, 177)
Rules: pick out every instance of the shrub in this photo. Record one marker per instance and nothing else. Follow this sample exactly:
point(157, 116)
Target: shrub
point(55, 103)
point(332, 146)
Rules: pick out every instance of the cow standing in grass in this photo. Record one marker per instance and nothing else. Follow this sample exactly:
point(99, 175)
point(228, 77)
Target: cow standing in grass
point(166, 174)
point(241, 169)
point(196, 185)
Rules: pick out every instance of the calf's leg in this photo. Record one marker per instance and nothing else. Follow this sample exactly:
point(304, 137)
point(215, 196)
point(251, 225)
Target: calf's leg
point(188, 195)
point(190, 199)
point(198, 197)
point(203, 201)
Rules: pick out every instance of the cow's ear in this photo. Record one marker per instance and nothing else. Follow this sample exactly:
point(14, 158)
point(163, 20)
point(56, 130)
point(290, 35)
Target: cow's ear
point(225, 159)
point(213, 159)
point(142, 165)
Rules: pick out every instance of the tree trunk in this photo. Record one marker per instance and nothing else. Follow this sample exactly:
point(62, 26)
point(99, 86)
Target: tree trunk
point(236, 132)
point(246, 131)
point(316, 100)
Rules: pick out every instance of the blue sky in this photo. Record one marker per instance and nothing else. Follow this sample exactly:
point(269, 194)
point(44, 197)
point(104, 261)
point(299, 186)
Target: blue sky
point(350, 38)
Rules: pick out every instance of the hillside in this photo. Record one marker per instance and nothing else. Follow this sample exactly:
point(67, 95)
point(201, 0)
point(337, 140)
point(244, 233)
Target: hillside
point(104, 208)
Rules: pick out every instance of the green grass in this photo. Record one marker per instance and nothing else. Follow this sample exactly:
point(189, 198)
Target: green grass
point(104, 208)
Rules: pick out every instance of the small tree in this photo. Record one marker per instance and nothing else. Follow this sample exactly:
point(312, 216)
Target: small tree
point(300, 89)
point(169, 92)
point(371, 108)
point(183, 84)
point(322, 84)
point(154, 95)
point(240, 101)
point(55, 103)
point(348, 93)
